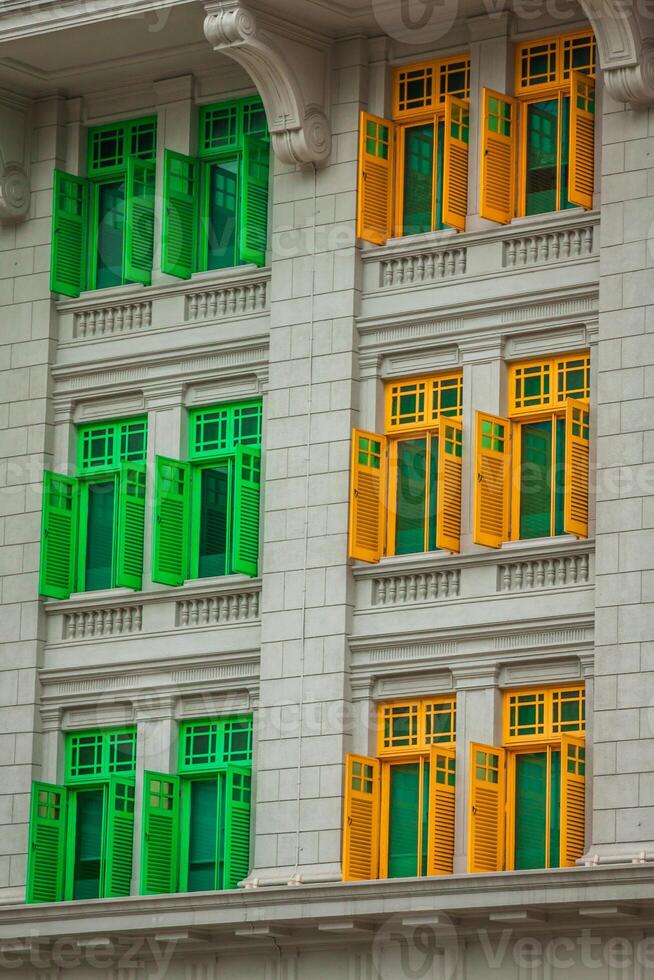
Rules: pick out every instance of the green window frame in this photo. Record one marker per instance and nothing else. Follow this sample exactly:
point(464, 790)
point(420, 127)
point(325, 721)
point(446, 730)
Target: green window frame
point(233, 137)
point(109, 211)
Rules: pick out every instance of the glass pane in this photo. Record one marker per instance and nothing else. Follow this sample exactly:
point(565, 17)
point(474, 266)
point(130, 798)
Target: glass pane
point(542, 156)
point(536, 480)
point(213, 522)
point(433, 493)
point(425, 819)
point(111, 225)
point(203, 829)
point(411, 496)
point(403, 821)
point(559, 481)
point(88, 844)
point(555, 810)
point(418, 179)
point(223, 206)
point(565, 154)
point(440, 154)
point(530, 810)
point(100, 535)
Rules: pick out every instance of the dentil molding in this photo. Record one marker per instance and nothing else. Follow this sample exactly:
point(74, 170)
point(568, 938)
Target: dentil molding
point(289, 69)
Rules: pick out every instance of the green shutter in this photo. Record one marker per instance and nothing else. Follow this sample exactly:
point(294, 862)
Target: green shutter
point(247, 489)
point(530, 810)
point(119, 842)
point(171, 521)
point(58, 535)
point(139, 221)
point(69, 220)
point(238, 798)
point(131, 523)
point(254, 200)
point(47, 844)
point(159, 849)
point(536, 480)
point(179, 223)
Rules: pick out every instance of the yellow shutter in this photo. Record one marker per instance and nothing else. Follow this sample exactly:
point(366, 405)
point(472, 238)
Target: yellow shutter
point(361, 819)
point(442, 792)
point(492, 461)
point(573, 799)
point(498, 156)
point(455, 162)
point(448, 510)
point(486, 821)
point(375, 204)
point(367, 495)
point(577, 456)
point(581, 173)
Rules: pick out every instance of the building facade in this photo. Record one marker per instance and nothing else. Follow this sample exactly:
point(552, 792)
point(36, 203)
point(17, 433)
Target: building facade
point(326, 523)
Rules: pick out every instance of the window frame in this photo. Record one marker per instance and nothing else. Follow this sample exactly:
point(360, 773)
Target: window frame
point(197, 468)
point(421, 746)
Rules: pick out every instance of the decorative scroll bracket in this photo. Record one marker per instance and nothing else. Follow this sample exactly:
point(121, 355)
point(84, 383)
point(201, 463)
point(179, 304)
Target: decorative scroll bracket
point(626, 49)
point(289, 68)
point(14, 153)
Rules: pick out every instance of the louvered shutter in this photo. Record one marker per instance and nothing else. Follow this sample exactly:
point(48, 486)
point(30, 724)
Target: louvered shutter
point(247, 494)
point(139, 221)
point(498, 156)
point(455, 162)
point(581, 172)
point(375, 198)
point(238, 803)
point(58, 535)
point(131, 525)
point(253, 239)
point(492, 460)
point(160, 844)
point(170, 546)
point(573, 799)
point(442, 793)
point(69, 234)
point(361, 819)
point(486, 815)
point(577, 467)
point(180, 215)
point(119, 841)
point(367, 495)
point(448, 509)
point(46, 855)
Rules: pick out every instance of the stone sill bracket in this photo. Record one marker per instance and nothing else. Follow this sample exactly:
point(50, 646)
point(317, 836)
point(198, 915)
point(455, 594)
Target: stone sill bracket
point(289, 67)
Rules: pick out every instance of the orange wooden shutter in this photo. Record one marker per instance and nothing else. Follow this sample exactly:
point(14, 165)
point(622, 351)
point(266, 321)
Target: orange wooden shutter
point(448, 510)
point(367, 495)
point(577, 458)
point(442, 792)
point(487, 808)
point(581, 172)
point(375, 205)
point(455, 162)
point(361, 818)
point(573, 799)
point(498, 156)
point(492, 459)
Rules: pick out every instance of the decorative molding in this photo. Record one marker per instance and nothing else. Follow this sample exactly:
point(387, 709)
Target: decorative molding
point(537, 574)
point(549, 246)
point(541, 672)
point(98, 623)
point(230, 389)
point(546, 342)
point(107, 321)
point(93, 716)
point(196, 706)
point(558, 308)
point(289, 68)
point(407, 362)
point(437, 681)
point(423, 267)
point(227, 301)
point(15, 138)
point(110, 408)
point(563, 637)
point(626, 48)
point(402, 588)
point(218, 610)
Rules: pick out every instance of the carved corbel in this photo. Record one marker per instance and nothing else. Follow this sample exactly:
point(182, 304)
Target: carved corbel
point(626, 51)
point(14, 153)
point(289, 68)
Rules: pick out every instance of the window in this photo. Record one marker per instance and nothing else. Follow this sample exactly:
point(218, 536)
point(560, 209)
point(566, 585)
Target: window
point(545, 135)
point(196, 824)
point(93, 523)
point(532, 468)
point(215, 213)
point(405, 492)
point(413, 168)
point(81, 833)
point(399, 807)
point(207, 508)
point(527, 798)
point(103, 224)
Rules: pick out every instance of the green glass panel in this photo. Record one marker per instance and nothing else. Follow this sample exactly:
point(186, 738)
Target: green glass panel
point(565, 154)
point(440, 159)
point(223, 210)
point(100, 535)
point(542, 156)
point(433, 493)
point(535, 480)
point(404, 799)
point(425, 820)
point(203, 828)
point(88, 844)
point(418, 179)
point(555, 810)
point(111, 227)
point(530, 810)
point(213, 522)
point(411, 496)
point(559, 485)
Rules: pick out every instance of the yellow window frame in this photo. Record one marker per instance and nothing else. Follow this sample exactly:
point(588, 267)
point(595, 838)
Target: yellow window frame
point(511, 758)
point(400, 138)
point(553, 727)
point(523, 111)
point(421, 709)
point(516, 469)
point(431, 387)
point(438, 71)
point(559, 77)
point(549, 369)
point(418, 758)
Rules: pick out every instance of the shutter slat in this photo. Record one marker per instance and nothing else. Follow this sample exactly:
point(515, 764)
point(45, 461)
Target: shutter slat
point(573, 799)
point(254, 200)
point(486, 814)
point(171, 521)
point(498, 157)
point(139, 221)
point(442, 796)
point(238, 795)
point(375, 192)
point(46, 858)
point(160, 858)
point(361, 819)
point(131, 525)
point(180, 215)
point(247, 495)
point(120, 838)
point(492, 458)
point(448, 510)
point(69, 233)
point(577, 467)
point(455, 162)
point(367, 495)
point(58, 535)
point(581, 172)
